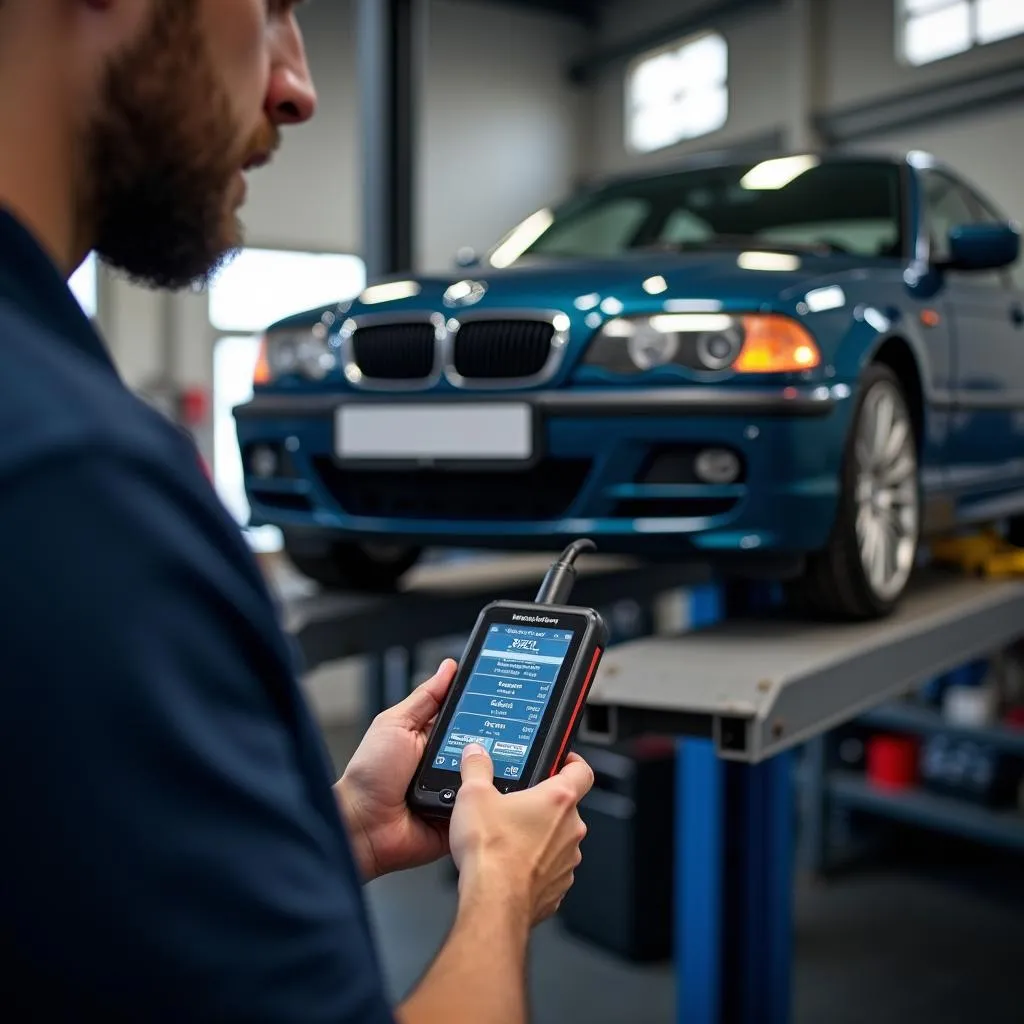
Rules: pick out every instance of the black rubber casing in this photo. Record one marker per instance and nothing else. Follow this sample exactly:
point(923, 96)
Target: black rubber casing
point(560, 722)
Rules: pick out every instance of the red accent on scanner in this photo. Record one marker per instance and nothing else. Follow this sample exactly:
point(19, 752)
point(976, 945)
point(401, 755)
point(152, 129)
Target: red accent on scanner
point(576, 711)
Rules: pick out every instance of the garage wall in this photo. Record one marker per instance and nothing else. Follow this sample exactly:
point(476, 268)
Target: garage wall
point(501, 124)
point(308, 198)
point(862, 62)
point(807, 57)
point(862, 65)
point(762, 78)
point(499, 133)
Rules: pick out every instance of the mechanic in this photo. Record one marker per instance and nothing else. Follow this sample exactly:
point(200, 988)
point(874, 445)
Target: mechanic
point(175, 847)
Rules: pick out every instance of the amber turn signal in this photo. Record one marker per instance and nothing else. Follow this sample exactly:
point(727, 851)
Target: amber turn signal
point(776, 344)
point(262, 374)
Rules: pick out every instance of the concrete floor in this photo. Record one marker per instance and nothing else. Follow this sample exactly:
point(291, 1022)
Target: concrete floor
point(934, 936)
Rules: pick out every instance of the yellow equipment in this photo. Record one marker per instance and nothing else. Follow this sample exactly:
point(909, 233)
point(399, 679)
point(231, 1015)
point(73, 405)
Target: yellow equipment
point(981, 554)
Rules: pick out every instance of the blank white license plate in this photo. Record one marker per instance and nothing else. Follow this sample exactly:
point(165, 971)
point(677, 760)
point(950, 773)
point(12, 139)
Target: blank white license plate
point(499, 431)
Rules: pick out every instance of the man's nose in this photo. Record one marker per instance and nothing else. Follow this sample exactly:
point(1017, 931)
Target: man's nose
point(291, 95)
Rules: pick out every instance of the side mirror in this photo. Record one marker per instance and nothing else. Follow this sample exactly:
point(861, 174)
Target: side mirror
point(983, 246)
point(467, 259)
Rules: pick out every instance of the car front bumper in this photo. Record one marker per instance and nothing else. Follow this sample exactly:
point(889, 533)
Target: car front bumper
point(613, 464)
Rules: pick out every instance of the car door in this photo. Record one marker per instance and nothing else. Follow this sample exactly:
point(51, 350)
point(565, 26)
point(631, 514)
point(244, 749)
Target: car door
point(986, 442)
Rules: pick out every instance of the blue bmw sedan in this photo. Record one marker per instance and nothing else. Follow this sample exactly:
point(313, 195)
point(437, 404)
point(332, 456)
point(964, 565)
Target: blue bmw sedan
point(799, 366)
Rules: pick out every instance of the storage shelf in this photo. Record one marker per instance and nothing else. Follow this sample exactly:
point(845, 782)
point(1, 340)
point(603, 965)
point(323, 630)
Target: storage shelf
point(919, 807)
point(906, 717)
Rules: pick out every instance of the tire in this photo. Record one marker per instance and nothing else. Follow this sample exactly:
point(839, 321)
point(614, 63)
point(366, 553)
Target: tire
point(367, 569)
point(864, 569)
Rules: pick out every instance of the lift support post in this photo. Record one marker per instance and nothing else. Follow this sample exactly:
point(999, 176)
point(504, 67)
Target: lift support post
point(740, 694)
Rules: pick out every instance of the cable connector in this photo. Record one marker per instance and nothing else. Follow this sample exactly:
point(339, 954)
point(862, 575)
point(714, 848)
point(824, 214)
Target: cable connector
point(561, 577)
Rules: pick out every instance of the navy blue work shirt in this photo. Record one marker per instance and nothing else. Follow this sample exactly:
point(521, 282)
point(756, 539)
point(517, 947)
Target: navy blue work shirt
point(170, 848)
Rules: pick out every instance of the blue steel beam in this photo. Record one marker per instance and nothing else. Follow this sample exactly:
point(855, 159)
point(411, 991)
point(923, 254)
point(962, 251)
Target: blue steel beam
point(735, 831)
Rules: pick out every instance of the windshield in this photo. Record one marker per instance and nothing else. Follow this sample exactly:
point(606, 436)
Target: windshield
point(850, 207)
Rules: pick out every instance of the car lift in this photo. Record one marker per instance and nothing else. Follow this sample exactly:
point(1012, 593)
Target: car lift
point(739, 693)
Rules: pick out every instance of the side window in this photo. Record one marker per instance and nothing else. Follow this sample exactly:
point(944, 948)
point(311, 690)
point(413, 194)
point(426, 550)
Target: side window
point(949, 205)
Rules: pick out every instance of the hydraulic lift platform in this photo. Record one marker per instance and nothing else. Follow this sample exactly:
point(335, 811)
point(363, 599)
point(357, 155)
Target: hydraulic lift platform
point(740, 694)
point(758, 686)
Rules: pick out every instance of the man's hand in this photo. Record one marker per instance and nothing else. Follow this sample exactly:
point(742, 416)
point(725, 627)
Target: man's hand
point(525, 845)
point(386, 836)
point(516, 854)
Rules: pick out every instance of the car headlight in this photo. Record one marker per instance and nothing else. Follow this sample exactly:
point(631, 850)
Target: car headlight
point(707, 342)
point(307, 352)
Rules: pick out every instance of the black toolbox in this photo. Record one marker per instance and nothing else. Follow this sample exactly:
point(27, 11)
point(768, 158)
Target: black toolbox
point(622, 897)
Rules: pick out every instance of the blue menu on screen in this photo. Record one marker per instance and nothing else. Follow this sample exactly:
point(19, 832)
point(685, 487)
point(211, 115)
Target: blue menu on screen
point(505, 698)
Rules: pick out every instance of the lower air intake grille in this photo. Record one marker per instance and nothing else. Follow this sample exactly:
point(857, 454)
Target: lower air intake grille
point(502, 349)
point(545, 491)
point(673, 508)
point(395, 351)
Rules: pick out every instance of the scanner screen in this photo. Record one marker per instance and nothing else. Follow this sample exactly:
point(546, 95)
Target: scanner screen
point(504, 701)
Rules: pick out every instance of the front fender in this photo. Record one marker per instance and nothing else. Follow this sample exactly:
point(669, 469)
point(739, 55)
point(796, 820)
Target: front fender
point(868, 330)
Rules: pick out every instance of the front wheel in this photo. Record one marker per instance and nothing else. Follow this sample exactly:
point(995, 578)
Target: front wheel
point(867, 564)
point(364, 568)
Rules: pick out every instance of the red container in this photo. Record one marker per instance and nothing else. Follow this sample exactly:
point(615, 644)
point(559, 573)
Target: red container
point(892, 761)
point(1014, 718)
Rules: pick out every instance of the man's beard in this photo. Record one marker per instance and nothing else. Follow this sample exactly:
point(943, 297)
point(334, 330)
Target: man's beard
point(161, 157)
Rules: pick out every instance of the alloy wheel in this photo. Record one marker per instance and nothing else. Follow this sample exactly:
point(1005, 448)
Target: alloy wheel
point(887, 497)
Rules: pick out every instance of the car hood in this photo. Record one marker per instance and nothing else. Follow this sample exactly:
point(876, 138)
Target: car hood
point(644, 283)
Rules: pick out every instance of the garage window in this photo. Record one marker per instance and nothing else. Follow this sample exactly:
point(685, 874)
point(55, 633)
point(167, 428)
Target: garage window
point(931, 30)
point(677, 93)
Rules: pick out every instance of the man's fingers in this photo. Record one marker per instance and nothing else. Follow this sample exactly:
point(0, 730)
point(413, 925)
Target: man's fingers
point(476, 764)
point(422, 705)
point(437, 685)
point(578, 774)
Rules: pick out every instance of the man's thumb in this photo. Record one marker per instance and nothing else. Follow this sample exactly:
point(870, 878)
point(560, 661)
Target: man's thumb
point(424, 702)
point(476, 764)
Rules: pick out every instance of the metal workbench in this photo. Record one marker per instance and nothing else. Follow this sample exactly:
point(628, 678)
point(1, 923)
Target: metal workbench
point(739, 693)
